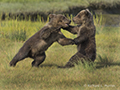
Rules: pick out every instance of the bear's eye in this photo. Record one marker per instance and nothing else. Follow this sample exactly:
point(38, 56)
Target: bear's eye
point(60, 20)
point(63, 17)
point(79, 16)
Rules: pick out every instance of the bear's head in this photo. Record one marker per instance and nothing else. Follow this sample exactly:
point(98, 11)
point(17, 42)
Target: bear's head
point(83, 17)
point(58, 20)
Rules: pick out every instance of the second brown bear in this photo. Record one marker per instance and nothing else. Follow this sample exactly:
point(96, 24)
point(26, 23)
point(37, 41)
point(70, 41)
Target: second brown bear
point(85, 40)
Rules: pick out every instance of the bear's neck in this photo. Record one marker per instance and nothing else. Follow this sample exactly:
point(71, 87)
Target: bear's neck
point(88, 23)
point(51, 25)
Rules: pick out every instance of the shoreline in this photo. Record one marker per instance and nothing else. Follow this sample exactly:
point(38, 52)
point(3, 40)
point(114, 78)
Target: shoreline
point(94, 7)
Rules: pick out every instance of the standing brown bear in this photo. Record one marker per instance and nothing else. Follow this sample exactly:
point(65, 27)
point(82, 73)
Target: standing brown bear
point(36, 45)
point(85, 40)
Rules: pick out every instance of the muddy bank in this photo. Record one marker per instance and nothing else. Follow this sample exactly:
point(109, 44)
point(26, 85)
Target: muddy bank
point(96, 8)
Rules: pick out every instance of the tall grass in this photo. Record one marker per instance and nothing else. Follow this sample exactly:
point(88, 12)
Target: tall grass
point(19, 30)
point(99, 22)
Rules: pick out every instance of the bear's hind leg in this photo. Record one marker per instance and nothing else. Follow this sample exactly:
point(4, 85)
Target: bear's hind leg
point(38, 60)
point(18, 57)
point(75, 59)
point(22, 54)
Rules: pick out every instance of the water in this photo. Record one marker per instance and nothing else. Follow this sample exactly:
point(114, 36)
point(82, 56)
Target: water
point(112, 19)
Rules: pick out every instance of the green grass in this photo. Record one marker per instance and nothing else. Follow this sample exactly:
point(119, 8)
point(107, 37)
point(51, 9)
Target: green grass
point(103, 74)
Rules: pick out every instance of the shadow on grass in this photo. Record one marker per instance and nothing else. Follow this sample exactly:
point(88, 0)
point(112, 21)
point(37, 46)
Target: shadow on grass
point(102, 65)
point(49, 65)
point(104, 61)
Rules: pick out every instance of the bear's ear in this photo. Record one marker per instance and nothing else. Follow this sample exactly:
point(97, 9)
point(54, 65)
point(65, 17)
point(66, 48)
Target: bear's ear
point(87, 12)
point(51, 15)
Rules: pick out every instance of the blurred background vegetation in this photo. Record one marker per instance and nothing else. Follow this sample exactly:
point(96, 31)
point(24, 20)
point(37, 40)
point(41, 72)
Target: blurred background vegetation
point(25, 8)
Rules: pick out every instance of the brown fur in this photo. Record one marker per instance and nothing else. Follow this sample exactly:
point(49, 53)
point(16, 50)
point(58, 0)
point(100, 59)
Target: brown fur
point(36, 46)
point(85, 39)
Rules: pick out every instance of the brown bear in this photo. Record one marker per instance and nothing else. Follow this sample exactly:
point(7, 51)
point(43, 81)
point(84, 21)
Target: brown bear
point(36, 45)
point(85, 39)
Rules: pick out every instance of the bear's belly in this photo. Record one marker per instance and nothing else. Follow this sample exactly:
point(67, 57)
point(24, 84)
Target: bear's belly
point(40, 47)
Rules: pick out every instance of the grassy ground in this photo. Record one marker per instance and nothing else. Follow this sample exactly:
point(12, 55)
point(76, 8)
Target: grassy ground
point(103, 74)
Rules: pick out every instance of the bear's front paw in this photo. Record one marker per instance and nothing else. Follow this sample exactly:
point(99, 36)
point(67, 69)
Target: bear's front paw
point(72, 42)
point(76, 41)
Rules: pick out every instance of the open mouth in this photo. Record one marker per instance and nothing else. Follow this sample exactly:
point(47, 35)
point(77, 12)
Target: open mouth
point(66, 24)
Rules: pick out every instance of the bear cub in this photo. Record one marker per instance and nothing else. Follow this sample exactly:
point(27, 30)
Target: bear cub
point(85, 39)
point(36, 45)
